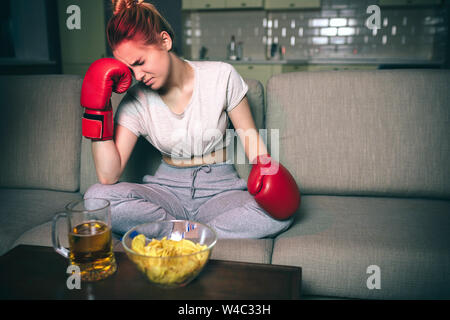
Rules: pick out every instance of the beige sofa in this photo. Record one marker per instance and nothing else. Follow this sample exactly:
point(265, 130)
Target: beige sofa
point(369, 150)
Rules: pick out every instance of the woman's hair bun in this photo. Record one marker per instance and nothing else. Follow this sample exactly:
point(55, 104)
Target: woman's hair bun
point(136, 18)
point(119, 5)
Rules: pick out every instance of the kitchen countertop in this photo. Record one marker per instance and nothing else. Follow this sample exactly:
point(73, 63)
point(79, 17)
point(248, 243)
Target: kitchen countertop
point(336, 61)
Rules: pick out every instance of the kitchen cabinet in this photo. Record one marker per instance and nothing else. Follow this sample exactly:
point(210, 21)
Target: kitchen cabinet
point(186, 4)
point(291, 4)
point(337, 67)
point(221, 4)
point(263, 72)
point(203, 4)
point(293, 68)
point(80, 47)
point(408, 2)
point(242, 4)
point(326, 67)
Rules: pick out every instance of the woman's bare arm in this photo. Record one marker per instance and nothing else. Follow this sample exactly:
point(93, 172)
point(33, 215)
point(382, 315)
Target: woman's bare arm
point(243, 123)
point(111, 156)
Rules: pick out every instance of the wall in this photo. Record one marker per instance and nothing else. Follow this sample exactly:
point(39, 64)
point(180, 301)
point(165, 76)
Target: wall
point(336, 31)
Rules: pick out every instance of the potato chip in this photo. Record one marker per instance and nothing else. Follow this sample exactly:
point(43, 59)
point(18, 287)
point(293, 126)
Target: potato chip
point(179, 261)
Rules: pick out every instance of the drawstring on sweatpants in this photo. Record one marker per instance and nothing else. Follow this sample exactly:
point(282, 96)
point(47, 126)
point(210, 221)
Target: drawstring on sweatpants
point(207, 168)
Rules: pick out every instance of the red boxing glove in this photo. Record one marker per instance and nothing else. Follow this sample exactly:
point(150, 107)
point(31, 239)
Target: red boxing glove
point(274, 188)
point(102, 77)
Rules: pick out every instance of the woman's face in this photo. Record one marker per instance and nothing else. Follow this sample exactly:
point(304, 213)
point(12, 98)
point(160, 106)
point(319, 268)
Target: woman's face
point(149, 64)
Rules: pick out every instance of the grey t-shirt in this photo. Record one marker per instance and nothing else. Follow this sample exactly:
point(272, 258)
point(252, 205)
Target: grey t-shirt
point(200, 129)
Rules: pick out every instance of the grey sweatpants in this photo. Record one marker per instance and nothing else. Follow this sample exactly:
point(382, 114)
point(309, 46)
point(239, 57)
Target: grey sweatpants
point(210, 194)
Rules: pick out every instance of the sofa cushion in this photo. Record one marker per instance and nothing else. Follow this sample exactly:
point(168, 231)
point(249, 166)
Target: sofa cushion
point(378, 132)
point(40, 235)
point(40, 132)
point(245, 250)
point(145, 159)
point(335, 239)
point(23, 209)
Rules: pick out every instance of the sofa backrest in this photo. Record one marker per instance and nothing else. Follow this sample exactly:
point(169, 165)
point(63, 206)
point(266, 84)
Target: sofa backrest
point(378, 132)
point(145, 159)
point(40, 132)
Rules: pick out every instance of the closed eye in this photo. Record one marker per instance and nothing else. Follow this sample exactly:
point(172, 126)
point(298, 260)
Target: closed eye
point(137, 63)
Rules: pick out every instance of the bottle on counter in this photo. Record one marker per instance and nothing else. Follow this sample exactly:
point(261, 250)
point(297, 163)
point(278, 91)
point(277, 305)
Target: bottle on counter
point(203, 52)
point(274, 51)
point(232, 50)
point(240, 51)
point(282, 52)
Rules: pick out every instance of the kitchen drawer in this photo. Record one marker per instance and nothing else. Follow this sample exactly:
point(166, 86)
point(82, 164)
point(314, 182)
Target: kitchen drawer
point(244, 3)
point(408, 2)
point(254, 71)
point(203, 4)
point(292, 4)
point(293, 68)
point(336, 67)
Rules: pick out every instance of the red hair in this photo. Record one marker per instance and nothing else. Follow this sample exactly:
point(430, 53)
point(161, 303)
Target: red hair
point(136, 19)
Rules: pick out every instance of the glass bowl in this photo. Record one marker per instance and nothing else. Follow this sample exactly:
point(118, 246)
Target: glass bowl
point(169, 261)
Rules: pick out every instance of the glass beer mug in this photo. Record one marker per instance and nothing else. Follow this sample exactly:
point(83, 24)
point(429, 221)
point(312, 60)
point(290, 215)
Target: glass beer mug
point(90, 238)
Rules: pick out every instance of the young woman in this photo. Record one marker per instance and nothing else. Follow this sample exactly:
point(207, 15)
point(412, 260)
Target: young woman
point(183, 109)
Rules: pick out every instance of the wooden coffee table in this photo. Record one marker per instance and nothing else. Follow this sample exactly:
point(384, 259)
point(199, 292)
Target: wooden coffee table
point(34, 272)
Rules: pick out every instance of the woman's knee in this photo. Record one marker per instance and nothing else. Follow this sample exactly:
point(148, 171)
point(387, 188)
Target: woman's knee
point(248, 221)
point(267, 224)
point(108, 191)
point(279, 226)
point(97, 190)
